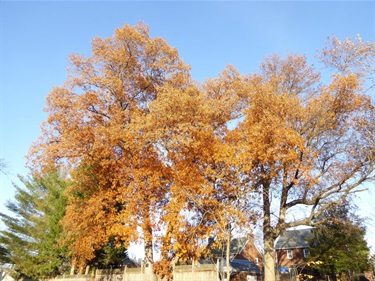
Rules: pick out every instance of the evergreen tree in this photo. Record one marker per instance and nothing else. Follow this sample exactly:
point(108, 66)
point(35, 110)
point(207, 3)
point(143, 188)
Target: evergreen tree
point(4, 255)
point(111, 255)
point(339, 247)
point(31, 237)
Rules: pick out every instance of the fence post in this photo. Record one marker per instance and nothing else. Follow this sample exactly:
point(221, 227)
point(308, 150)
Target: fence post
point(124, 274)
point(96, 274)
point(217, 270)
point(72, 269)
point(92, 278)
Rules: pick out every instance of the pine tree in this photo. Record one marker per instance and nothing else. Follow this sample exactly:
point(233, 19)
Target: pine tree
point(32, 233)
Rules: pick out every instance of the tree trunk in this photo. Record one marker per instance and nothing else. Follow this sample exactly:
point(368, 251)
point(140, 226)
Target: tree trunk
point(72, 268)
point(227, 256)
point(268, 236)
point(149, 259)
point(269, 259)
point(149, 255)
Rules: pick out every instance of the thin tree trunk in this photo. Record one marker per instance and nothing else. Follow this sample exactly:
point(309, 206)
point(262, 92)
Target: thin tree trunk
point(268, 236)
point(149, 255)
point(149, 258)
point(227, 256)
point(72, 268)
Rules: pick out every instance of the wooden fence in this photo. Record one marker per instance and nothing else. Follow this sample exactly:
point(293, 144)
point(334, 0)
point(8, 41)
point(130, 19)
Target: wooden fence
point(206, 272)
point(202, 272)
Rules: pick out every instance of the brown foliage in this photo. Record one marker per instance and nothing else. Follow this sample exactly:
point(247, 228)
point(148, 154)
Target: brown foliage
point(156, 156)
point(163, 269)
point(92, 130)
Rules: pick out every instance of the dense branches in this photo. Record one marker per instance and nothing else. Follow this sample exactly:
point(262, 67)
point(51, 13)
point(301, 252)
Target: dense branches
point(155, 156)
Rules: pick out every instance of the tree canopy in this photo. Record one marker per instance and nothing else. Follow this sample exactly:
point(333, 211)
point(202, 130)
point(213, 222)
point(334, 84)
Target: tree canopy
point(150, 149)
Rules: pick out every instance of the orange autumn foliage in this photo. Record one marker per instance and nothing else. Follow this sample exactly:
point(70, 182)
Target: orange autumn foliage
point(118, 179)
point(154, 155)
point(302, 144)
point(139, 138)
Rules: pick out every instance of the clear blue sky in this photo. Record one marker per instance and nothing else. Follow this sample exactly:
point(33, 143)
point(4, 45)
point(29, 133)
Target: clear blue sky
point(37, 37)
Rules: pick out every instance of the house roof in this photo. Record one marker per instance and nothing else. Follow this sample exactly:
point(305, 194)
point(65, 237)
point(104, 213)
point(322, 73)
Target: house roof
point(244, 266)
point(236, 246)
point(129, 263)
point(293, 239)
point(236, 265)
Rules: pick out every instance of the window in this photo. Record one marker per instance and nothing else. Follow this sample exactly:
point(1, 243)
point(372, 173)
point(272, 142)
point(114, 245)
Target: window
point(289, 254)
point(306, 253)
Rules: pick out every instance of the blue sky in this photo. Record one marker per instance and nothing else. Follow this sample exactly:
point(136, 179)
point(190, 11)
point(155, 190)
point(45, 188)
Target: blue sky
point(37, 37)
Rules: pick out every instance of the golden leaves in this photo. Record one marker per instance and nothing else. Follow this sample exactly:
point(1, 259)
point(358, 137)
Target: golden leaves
point(290, 75)
point(149, 149)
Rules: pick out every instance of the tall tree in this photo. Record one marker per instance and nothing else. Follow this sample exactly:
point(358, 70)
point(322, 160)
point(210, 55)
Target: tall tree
point(338, 246)
point(32, 233)
point(143, 146)
point(189, 126)
point(302, 145)
point(95, 130)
